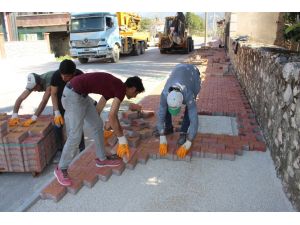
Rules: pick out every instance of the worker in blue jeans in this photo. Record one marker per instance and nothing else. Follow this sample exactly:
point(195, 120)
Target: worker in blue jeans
point(181, 88)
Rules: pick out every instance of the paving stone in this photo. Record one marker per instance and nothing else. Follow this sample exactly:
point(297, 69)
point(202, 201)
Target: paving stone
point(54, 191)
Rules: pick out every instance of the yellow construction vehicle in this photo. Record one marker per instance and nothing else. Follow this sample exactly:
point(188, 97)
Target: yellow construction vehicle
point(133, 40)
point(175, 36)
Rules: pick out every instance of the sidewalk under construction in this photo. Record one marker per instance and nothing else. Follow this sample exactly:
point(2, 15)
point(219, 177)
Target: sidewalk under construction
point(228, 168)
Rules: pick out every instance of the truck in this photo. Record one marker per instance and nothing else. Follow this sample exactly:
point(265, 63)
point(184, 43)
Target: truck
point(175, 36)
point(105, 35)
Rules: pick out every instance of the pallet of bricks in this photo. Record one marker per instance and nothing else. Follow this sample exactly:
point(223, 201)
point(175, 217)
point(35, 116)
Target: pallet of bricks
point(26, 149)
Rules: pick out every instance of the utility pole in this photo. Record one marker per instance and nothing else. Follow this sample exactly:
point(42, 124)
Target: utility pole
point(205, 31)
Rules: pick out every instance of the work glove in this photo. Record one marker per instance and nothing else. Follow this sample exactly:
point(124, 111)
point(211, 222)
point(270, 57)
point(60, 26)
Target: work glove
point(123, 149)
point(163, 146)
point(30, 121)
point(183, 149)
point(108, 134)
point(14, 120)
point(58, 119)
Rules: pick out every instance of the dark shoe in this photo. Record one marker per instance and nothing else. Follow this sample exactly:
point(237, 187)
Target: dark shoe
point(113, 157)
point(169, 131)
point(108, 162)
point(182, 139)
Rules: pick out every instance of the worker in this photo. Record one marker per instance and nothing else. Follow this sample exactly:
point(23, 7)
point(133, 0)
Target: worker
point(79, 108)
point(35, 82)
point(182, 87)
point(67, 70)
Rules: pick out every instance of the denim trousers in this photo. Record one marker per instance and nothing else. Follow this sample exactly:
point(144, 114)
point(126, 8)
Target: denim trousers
point(80, 109)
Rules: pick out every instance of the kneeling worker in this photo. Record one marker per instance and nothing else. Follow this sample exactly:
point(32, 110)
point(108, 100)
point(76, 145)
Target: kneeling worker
point(182, 87)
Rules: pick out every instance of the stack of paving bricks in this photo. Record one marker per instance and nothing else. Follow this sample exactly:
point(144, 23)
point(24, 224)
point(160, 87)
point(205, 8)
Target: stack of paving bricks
point(220, 95)
point(26, 149)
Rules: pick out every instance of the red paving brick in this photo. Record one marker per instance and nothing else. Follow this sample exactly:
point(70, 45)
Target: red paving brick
point(219, 95)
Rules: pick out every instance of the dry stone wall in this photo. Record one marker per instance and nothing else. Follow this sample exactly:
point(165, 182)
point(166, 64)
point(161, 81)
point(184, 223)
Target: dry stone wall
point(270, 78)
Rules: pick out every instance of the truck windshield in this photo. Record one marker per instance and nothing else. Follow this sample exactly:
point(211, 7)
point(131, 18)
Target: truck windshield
point(87, 24)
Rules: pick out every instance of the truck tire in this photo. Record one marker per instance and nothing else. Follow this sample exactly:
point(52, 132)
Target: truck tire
point(192, 45)
point(137, 49)
point(163, 51)
point(142, 48)
point(83, 60)
point(115, 54)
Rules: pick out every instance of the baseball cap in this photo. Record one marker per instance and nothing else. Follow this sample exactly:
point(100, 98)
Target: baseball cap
point(31, 82)
point(174, 101)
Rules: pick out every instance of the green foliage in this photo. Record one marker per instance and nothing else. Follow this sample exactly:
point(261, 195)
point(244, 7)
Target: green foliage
point(194, 23)
point(146, 24)
point(292, 26)
point(61, 58)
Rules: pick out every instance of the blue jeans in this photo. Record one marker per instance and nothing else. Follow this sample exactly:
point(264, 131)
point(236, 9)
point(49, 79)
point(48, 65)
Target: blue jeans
point(185, 123)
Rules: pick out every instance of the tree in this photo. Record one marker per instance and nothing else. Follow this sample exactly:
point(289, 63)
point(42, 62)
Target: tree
point(146, 24)
point(194, 23)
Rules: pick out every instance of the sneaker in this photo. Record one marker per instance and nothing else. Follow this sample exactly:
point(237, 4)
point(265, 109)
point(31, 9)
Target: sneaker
point(57, 157)
point(108, 162)
point(182, 139)
point(62, 177)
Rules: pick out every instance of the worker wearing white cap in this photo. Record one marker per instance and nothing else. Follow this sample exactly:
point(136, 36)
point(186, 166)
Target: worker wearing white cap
point(181, 88)
point(35, 82)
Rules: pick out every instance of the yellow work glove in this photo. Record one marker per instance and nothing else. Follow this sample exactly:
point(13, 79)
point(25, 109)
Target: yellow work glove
point(163, 146)
point(58, 119)
point(108, 134)
point(183, 149)
point(123, 148)
point(14, 120)
point(30, 121)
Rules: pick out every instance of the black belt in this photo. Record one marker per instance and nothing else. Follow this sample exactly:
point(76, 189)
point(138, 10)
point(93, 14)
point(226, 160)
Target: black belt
point(68, 85)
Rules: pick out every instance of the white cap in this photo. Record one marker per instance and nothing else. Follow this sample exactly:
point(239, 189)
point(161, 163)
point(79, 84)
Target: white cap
point(30, 81)
point(174, 101)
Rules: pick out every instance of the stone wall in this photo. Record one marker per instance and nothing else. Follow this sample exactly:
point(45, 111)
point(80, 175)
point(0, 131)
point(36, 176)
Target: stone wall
point(270, 78)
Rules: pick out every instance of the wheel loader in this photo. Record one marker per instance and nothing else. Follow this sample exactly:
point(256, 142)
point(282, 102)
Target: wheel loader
point(175, 36)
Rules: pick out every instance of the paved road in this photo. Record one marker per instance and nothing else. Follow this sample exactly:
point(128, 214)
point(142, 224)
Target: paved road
point(16, 189)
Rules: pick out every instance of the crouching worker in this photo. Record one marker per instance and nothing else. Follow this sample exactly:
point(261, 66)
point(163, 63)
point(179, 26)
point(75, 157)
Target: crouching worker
point(79, 107)
point(35, 82)
point(181, 88)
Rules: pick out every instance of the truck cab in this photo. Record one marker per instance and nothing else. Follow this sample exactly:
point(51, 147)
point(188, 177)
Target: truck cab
point(94, 35)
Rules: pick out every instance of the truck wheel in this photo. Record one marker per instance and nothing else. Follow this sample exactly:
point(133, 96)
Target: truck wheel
point(192, 45)
point(83, 60)
point(115, 54)
point(142, 48)
point(137, 49)
point(187, 49)
point(162, 51)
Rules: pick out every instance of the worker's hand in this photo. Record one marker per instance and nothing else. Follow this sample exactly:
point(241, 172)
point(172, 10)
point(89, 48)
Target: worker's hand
point(30, 121)
point(14, 120)
point(183, 150)
point(123, 148)
point(58, 119)
point(108, 134)
point(163, 146)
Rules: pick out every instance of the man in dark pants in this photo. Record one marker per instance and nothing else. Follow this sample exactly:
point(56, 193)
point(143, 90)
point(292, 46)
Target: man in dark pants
point(67, 70)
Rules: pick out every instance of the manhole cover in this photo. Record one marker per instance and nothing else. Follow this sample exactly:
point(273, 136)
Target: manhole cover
point(217, 125)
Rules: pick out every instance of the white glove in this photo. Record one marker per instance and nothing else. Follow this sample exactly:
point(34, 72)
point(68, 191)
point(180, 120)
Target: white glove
point(34, 117)
point(162, 139)
point(122, 140)
point(14, 115)
point(187, 145)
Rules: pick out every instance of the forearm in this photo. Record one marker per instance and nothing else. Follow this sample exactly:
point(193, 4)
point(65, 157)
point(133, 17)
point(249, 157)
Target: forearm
point(115, 124)
point(193, 129)
point(101, 104)
point(40, 108)
point(17, 105)
point(54, 102)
